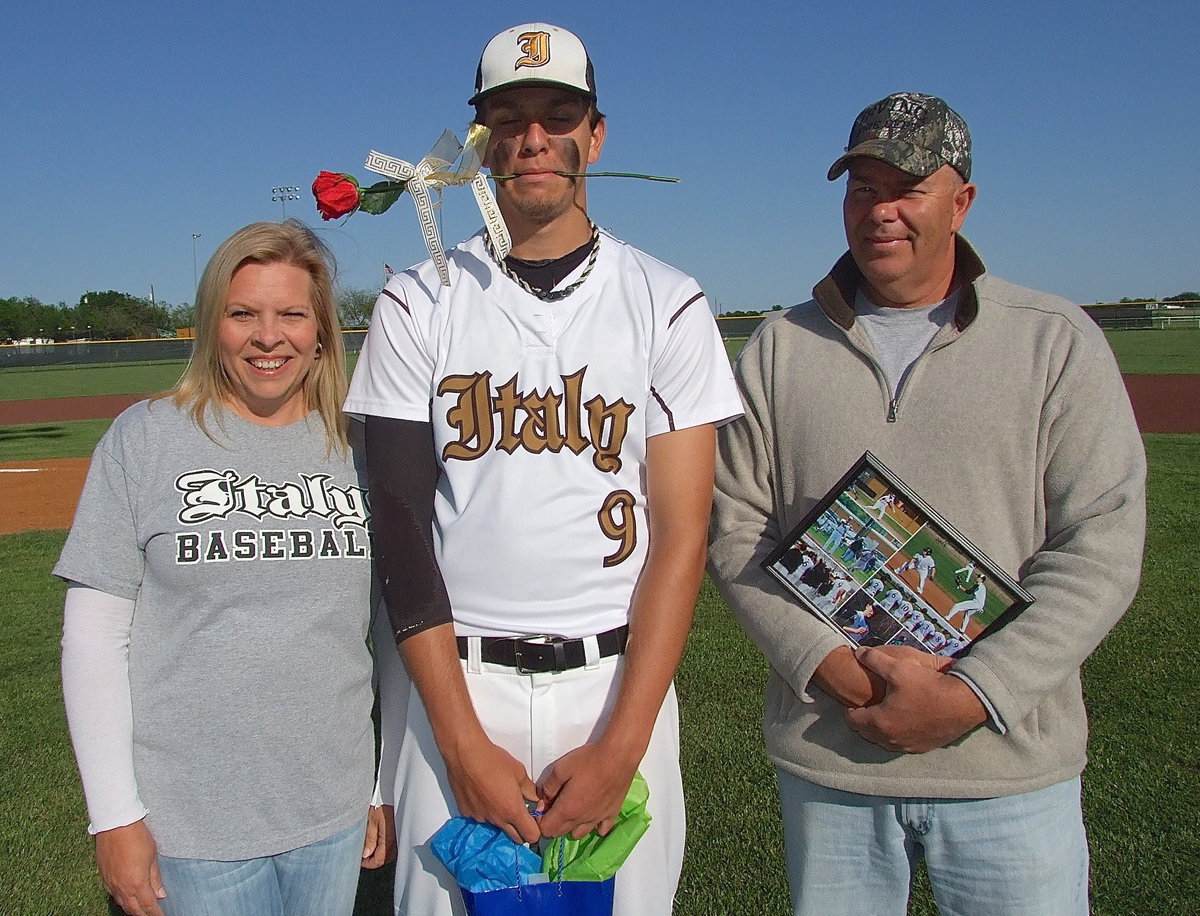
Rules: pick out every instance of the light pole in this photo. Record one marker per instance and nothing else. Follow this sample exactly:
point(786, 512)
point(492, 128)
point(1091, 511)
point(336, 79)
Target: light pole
point(283, 195)
point(195, 280)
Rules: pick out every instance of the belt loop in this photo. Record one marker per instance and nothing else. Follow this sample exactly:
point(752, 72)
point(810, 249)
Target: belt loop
point(591, 652)
point(474, 654)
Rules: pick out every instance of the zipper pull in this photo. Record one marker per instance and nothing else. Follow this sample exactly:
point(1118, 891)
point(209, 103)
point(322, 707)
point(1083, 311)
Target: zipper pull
point(892, 405)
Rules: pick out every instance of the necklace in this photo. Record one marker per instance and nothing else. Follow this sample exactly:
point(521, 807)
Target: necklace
point(551, 295)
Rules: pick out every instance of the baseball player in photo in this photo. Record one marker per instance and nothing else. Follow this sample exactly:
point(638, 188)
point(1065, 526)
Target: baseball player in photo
point(962, 575)
point(860, 627)
point(880, 506)
point(890, 599)
point(540, 446)
point(925, 567)
point(972, 605)
point(836, 536)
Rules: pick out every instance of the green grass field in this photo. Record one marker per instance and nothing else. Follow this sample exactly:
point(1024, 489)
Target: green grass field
point(1141, 793)
point(1168, 352)
point(78, 381)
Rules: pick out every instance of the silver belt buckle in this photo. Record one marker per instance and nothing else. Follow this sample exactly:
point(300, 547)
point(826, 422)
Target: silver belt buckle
point(543, 639)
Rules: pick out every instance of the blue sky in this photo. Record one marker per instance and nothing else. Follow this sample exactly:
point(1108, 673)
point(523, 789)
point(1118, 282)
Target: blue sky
point(129, 126)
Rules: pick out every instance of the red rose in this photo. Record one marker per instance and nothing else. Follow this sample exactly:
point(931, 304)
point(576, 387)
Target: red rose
point(336, 194)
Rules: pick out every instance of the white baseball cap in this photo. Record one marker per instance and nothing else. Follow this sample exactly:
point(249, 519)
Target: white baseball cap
point(535, 54)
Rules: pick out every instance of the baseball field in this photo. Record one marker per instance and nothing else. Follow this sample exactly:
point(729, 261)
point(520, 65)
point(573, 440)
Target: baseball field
point(1141, 789)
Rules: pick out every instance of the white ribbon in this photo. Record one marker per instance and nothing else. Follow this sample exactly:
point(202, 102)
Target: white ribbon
point(435, 172)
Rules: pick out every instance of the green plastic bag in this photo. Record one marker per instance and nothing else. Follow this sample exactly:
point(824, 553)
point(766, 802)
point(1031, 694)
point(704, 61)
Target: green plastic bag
point(595, 857)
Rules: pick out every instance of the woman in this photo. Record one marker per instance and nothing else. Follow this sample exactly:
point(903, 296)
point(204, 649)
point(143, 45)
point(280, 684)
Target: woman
point(215, 667)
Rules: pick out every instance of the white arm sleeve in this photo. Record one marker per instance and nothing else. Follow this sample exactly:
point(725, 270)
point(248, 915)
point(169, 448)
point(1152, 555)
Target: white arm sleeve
point(95, 679)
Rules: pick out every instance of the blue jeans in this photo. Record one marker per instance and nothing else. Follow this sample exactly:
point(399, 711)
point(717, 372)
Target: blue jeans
point(319, 879)
point(853, 854)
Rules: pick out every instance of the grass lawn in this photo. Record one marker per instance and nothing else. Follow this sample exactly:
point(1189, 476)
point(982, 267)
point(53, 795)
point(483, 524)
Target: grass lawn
point(76, 439)
point(1140, 790)
point(77, 381)
point(1174, 351)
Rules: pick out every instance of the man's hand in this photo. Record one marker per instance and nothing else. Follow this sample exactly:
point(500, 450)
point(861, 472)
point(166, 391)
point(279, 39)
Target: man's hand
point(128, 862)
point(491, 785)
point(913, 656)
point(922, 707)
point(583, 791)
point(842, 677)
point(851, 683)
point(379, 845)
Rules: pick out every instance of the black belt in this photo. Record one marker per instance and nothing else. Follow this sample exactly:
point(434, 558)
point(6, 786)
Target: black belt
point(539, 654)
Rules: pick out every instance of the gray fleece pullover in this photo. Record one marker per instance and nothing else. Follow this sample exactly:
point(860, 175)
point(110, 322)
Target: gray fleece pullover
point(1015, 425)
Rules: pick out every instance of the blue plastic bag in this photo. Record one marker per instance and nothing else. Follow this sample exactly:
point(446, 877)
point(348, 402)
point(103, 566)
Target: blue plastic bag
point(482, 857)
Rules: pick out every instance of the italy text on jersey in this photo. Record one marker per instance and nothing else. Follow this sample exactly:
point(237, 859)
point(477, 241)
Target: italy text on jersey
point(507, 418)
point(208, 495)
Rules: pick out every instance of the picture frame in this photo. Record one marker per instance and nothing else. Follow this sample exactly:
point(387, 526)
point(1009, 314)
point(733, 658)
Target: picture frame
point(880, 566)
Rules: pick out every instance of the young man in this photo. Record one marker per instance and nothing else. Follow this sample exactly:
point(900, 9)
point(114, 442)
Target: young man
point(975, 767)
point(540, 442)
point(926, 566)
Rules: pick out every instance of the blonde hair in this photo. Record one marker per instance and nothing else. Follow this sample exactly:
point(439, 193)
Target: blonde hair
point(205, 383)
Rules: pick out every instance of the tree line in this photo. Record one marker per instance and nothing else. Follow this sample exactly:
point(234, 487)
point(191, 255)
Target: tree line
point(112, 315)
point(1187, 296)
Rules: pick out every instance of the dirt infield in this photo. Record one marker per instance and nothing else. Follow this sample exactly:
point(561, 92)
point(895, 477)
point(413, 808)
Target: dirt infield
point(63, 410)
point(42, 494)
point(1165, 403)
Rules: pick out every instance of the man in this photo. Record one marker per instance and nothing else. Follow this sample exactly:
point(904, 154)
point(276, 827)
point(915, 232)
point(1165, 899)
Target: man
point(860, 627)
point(889, 600)
point(962, 575)
point(976, 767)
point(972, 605)
point(926, 567)
point(540, 442)
point(840, 530)
point(880, 505)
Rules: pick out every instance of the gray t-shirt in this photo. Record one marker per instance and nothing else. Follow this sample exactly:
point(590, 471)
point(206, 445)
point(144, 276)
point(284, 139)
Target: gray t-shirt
point(249, 563)
point(898, 335)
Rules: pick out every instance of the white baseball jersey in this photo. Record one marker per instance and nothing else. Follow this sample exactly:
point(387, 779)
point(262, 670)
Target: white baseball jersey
point(541, 412)
point(890, 599)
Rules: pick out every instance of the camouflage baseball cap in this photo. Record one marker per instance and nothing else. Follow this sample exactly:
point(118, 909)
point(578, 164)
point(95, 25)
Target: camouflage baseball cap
point(916, 133)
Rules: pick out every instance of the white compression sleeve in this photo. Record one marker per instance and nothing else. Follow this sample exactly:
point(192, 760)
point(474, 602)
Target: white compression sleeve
point(95, 678)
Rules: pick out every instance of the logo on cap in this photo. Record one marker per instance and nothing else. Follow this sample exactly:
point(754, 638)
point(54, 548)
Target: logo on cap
point(536, 47)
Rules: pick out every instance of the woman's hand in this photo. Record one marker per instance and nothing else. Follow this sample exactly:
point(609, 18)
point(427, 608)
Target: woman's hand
point(379, 846)
point(128, 861)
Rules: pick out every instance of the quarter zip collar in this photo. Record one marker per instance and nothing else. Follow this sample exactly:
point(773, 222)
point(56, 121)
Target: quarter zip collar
point(835, 297)
point(835, 293)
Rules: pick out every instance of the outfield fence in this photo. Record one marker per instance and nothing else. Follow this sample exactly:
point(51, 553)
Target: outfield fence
point(1149, 323)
